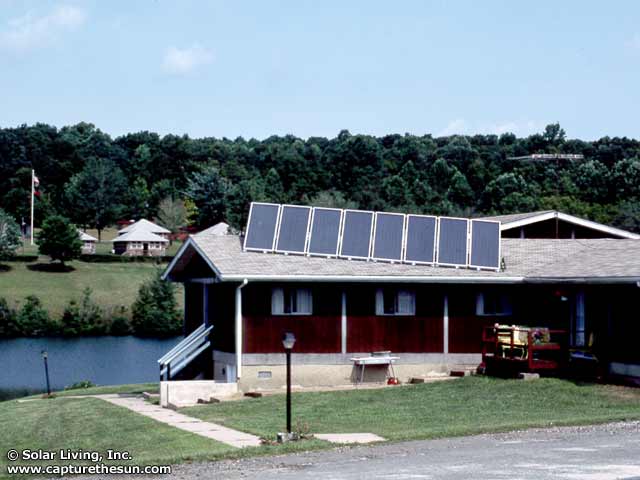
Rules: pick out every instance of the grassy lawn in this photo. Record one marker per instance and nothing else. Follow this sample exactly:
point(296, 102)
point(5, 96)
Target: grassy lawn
point(459, 407)
point(113, 284)
point(95, 425)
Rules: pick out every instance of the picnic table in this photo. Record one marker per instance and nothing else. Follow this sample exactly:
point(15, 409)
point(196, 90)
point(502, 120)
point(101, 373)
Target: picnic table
point(376, 358)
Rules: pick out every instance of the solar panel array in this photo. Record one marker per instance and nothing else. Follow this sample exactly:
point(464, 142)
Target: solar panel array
point(376, 236)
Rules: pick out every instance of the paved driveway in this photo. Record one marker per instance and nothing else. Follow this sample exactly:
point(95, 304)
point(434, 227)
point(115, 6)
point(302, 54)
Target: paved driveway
point(603, 452)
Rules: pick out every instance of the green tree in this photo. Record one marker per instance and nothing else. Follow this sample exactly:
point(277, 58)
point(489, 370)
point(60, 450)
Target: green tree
point(155, 312)
point(172, 214)
point(9, 236)
point(332, 199)
point(273, 189)
point(96, 194)
point(460, 192)
point(84, 318)
point(33, 320)
point(59, 239)
point(8, 322)
point(208, 189)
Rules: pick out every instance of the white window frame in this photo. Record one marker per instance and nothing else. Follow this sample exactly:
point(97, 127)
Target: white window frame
point(480, 303)
point(278, 301)
point(397, 292)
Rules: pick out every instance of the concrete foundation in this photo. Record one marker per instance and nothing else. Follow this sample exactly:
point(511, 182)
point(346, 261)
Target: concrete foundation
point(184, 393)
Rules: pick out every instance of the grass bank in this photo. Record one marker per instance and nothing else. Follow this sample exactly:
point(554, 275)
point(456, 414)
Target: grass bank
point(113, 284)
point(460, 407)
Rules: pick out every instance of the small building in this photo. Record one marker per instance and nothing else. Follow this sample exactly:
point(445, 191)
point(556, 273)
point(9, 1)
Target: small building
point(88, 243)
point(147, 226)
point(555, 224)
point(140, 242)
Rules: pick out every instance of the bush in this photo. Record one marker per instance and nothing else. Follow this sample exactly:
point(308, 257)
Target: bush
point(9, 236)
point(120, 324)
point(112, 258)
point(85, 318)
point(155, 313)
point(8, 321)
point(33, 320)
point(80, 385)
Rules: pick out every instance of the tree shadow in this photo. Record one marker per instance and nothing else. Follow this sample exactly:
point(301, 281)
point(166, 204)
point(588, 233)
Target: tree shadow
point(50, 268)
point(5, 268)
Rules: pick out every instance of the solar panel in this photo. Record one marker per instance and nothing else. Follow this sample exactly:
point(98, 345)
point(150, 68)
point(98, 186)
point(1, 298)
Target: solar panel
point(388, 236)
point(452, 241)
point(356, 234)
point(261, 227)
point(485, 244)
point(421, 239)
point(292, 231)
point(325, 231)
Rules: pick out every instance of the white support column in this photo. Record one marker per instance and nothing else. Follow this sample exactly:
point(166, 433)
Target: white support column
point(239, 328)
point(205, 304)
point(344, 322)
point(445, 325)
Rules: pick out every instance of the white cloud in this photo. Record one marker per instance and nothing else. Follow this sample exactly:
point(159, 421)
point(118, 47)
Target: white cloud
point(30, 31)
point(457, 126)
point(180, 61)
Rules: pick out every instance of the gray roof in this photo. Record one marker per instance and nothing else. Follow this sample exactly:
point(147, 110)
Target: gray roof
point(591, 260)
point(217, 229)
point(140, 236)
point(146, 225)
point(516, 217)
point(85, 237)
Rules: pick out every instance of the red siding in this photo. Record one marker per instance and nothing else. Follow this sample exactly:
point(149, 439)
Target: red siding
point(398, 334)
point(314, 334)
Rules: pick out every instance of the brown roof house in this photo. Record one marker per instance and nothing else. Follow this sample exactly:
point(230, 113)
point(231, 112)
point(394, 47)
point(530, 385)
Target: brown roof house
point(418, 290)
point(141, 238)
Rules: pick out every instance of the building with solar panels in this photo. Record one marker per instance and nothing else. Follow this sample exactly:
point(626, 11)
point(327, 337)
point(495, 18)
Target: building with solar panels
point(407, 295)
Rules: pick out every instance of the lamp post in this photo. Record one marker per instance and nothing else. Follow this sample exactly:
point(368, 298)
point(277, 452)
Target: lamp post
point(288, 340)
point(46, 370)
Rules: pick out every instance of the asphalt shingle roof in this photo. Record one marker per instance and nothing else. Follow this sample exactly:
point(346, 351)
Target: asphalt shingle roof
point(524, 258)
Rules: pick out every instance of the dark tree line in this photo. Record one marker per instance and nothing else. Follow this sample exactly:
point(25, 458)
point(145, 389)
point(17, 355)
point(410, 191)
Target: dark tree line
point(95, 179)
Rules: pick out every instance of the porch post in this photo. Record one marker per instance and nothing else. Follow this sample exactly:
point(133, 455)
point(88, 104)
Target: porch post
point(344, 322)
point(445, 325)
point(239, 328)
point(205, 304)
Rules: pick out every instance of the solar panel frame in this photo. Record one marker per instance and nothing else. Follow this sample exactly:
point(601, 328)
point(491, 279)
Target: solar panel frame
point(344, 223)
point(439, 250)
point(485, 267)
point(279, 226)
point(375, 229)
point(246, 235)
point(435, 240)
point(338, 240)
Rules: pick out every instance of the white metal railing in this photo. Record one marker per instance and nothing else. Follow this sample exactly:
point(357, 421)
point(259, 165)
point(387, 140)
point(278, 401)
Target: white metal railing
point(184, 352)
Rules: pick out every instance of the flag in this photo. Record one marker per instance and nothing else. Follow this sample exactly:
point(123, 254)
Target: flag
point(36, 181)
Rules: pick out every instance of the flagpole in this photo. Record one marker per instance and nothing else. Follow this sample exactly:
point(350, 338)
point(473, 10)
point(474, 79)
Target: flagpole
point(32, 195)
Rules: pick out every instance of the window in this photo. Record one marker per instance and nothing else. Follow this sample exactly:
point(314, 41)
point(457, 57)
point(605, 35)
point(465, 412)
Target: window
point(393, 301)
point(491, 303)
point(291, 301)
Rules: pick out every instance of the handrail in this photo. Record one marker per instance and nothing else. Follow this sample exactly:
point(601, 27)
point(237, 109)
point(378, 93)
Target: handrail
point(188, 349)
point(193, 334)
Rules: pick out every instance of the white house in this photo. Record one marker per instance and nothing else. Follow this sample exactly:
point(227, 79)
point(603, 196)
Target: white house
point(141, 238)
point(88, 242)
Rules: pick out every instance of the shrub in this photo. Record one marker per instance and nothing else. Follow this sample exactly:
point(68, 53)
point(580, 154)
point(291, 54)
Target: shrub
point(8, 321)
point(33, 320)
point(120, 324)
point(155, 313)
point(84, 318)
point(80, 385)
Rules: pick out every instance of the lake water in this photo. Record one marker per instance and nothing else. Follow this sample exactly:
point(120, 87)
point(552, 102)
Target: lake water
point(102, 360)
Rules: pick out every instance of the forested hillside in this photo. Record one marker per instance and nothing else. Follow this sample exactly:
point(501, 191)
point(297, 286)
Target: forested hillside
point(95, 179)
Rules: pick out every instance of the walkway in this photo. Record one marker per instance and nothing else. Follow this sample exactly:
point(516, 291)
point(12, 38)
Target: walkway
point(216, 432)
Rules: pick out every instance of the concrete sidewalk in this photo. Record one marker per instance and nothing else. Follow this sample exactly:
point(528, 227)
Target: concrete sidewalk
point(216, 432)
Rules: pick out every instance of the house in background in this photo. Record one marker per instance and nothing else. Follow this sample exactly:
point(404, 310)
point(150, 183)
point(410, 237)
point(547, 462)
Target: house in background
point(147, 226)
point(88, 243)
point(554, 224)
point(141, 238)
point(241, 302)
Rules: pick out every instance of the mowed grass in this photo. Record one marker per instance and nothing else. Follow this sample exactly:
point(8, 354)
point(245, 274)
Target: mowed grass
point(113, 284)
point(95, 425)
point(450, 408)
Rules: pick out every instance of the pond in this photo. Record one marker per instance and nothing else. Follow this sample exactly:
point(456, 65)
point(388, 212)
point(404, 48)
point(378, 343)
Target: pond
point(101, 360)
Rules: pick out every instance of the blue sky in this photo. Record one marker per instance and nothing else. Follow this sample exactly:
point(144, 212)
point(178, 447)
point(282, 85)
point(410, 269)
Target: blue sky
point(310, 68)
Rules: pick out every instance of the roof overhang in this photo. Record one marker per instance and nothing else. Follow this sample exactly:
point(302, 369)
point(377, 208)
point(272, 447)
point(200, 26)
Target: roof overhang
point(185, 246)
point(565, 217)
point(370, 278)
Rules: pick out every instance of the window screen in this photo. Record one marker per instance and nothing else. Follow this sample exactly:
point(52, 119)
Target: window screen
point(393, 301)
point(492, 303)
point(291, 301)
